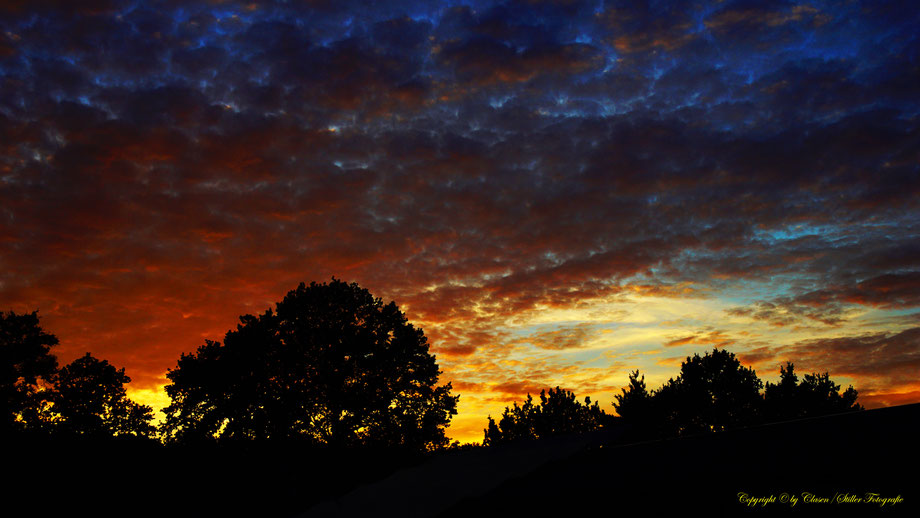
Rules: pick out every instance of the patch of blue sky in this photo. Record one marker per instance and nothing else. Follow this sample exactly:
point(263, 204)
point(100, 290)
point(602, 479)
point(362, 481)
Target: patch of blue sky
point(556, 112)
point(425, 14)
point(910, 316)
point(617, 107)
point(499, 101)
point(583, 38)
point(552, 256)
point(743, 292)
point(118, 81)
point(792, 232)
point(836, 235)
point(588, 358)
point(222, 14)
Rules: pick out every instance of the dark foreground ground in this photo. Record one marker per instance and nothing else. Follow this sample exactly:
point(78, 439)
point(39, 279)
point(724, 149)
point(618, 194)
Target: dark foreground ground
point(792, 466)
point(839, 458)
point(125, 479)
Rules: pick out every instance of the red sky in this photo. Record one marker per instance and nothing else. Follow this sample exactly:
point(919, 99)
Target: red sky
point(557, 193)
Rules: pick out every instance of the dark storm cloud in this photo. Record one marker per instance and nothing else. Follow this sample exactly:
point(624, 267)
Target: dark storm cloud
point(474, 161)
point(888, 359)
point(829, 305)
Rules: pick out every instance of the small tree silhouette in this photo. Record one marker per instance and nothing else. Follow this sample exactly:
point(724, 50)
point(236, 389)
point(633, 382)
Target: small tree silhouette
point(815, 395)
point(26, 365)
point(633, 404)
point(781, 400)
point(518, 423)
point(89, 399)
point(558, 413)
point(331, 364)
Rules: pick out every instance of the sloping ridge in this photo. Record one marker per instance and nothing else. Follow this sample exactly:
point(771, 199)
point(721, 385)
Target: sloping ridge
point(434, 486)
point(852, 454)
point(873, 451)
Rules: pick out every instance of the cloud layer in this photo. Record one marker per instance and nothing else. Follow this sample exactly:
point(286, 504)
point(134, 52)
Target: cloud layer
point(169, 166)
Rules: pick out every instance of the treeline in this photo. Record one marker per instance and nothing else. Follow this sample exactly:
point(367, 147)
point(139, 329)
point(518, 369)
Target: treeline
point(330, 365)
point(713, 393)
point(85, 398)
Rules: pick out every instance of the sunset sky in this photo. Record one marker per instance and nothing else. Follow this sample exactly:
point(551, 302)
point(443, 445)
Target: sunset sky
point(556, 192)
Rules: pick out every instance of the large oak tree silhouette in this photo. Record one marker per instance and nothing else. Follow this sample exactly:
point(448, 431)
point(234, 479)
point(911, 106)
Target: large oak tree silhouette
point(331, 364)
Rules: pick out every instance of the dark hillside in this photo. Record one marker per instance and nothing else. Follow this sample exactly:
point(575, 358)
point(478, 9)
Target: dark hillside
point(127, 478)
point(873, 451)
point(841, 457)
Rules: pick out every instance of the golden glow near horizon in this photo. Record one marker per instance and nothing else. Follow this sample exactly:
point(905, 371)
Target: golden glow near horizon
point(649, 333)
point(591, 345)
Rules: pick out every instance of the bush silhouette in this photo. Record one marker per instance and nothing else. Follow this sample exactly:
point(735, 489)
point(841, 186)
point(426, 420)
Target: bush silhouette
point(558, 413)
point(330, 365)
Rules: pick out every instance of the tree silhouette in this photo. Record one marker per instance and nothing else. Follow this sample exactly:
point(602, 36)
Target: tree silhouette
point(89, 399)
point(781, 400)
point(633, 404)
point(562, 414)
point(822, 396)
point(558, 413)
point(518, 423)
point(712, 393)
point(330, 364)
point(815, 395)
point(715, 392)
point(26, 364)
